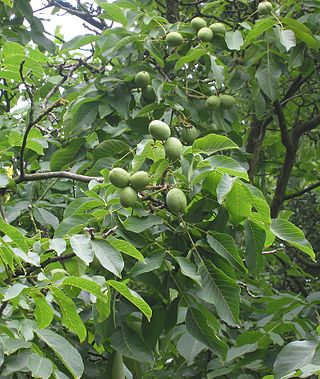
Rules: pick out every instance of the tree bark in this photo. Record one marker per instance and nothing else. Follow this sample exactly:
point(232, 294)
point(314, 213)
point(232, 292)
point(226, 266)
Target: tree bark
point(172, 10)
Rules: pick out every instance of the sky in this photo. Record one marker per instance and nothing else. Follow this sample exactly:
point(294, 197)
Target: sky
point(71, 25)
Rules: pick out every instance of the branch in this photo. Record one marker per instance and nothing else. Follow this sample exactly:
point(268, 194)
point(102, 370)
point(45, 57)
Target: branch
point(306, 127)
point(57, 174)
point(32, 123)
point(302, 192)
point(48, 261)
point(2, 211)
point(285, 137)
point(72, 10)
point(55, 88)
point(29, 126)
point(283, 179)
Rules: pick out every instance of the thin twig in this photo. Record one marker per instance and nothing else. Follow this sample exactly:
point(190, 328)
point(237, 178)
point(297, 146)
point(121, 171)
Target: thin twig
point(57, 174)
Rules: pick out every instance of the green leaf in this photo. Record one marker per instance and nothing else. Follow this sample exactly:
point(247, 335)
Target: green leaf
point(70, 317)
point(218, 71)
point(13, 291)
point(63, 157)
point(151, 263)
point(40, 367)
point(81, 205)
point(45, 218)
point(79, 41)
point(267, 75)
point(132, 296)
point(259, 28)
point(287, 38)
point(125, 247)
point(234, 40)
point(12, 48)
point(238, 203)
point(200, 324)
point(227, 165)
point(154, 51)
point(189, 347)
point(188, 269)
point(131, 345)
point(68, 355)
point(86, 285)
point(110, 148)
point(8, 2)
point(224, 245)
point(4, 181)
point(108, 256)
point(288, 232)
point(294, 356)
point(14, 234)
point(193, 54)
point(302, 32)
point(212, 143)
point(82, 247)
point(43, 313)
point(220, 290)
point(255, 238)
point(113, 12)
point(140, 224)
point(224, 187)
point(59, 245)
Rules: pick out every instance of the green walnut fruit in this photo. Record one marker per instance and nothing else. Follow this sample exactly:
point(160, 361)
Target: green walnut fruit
point(198, 23)
point(213, 102)
point(227, 101)
point(148, 93)
point(265, 8)
point(205, 34)
point(159, 130)
point(142, 79)
point(119, 177)
point(128, 197)
point(173, 148)
point(174, 39)
point(176, 200)
point(217, 28)
point(139, 180)
point(188, 135)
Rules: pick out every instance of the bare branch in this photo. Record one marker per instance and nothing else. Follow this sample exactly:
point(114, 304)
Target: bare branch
point(72, 10)
point(306, 127)
point(57, 174)
point(302, 192)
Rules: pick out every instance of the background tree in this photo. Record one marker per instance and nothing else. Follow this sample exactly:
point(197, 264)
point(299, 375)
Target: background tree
point(182, 270)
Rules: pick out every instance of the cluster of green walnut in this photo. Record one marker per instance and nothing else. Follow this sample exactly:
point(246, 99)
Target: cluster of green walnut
point(131, 185)
point(205, 33)
point(223, 101)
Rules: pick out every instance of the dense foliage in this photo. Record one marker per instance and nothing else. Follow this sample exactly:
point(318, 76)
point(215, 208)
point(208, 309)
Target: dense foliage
point(126, 280)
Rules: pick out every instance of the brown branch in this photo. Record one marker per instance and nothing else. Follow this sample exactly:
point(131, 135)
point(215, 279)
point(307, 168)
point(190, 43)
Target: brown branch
point(55, 88)
point(283, 179)
point(29, 126)
point(61, 258)
point(258, 127)
point(285, 137)
point(2, 211)
point(32, 123)
point(74, 11)
point(302, 192)
point(306, 127)
point(57, 174)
